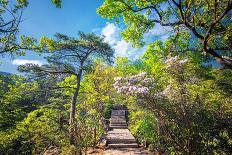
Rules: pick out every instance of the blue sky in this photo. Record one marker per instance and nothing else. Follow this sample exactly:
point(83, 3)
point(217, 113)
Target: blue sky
point(42, 18)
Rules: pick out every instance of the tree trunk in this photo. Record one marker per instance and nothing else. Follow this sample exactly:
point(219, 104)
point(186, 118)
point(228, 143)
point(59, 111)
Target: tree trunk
point(73, 110)
point(95, 137)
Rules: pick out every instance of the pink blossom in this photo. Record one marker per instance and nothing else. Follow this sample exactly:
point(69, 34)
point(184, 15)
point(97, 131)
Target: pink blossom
point(132, 85)
point(183, 61)
point(143, 74)
point(172, 59)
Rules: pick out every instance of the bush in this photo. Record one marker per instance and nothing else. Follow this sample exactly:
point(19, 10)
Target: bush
point(107, 110)
point(143, 126)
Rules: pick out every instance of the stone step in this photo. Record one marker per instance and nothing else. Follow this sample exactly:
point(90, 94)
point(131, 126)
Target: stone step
point(124, 141)
point(122, 145)
point(116, 124)
point(116, 121)
point(119, 127)
point(118, 112)
point(114, 117)
point(121, 117)
point(118, 116)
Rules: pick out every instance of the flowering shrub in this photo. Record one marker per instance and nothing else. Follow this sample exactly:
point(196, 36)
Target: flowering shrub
point(133, 85)
point(175, 62)
point(141, 84)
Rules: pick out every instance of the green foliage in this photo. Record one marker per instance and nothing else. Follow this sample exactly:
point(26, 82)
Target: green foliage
point(144, 126)
point(88, 120)
point(57, 3)
point(127, 67)
point(20, 120)
point(39, 130)
point(108, 109)
point(208, 23)
point(17, 102)
point(97, 87)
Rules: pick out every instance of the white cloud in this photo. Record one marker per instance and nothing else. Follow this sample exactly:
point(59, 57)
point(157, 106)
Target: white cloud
point(24, 61)
point(122, 47)
point(125, 49)
point(158, 31)
point(111, 32)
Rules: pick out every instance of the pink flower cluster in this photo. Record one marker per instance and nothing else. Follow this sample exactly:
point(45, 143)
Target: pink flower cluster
point(165, 93)
point(139, 84)
point(172, 59)
point(133, 85)
point(175, 60)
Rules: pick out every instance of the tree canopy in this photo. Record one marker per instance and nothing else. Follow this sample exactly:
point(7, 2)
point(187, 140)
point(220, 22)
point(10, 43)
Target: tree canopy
point(207, 21)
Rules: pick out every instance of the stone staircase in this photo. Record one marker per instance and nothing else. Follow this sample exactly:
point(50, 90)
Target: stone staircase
point(120, 136)
point(118, 120)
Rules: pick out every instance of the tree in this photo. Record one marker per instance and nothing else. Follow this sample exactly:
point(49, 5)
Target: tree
point(9, 22)
point(71, 56)
point(209, 22)
point(10, 19)
point(98, 93)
